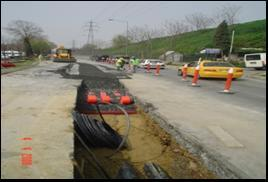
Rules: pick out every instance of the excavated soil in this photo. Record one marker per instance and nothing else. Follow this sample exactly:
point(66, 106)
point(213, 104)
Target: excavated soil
point(147, 142)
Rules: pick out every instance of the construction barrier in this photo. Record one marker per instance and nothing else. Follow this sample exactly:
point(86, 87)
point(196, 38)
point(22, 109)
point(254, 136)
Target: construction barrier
point(6, 64)
point(228, 82)
point(195, 78)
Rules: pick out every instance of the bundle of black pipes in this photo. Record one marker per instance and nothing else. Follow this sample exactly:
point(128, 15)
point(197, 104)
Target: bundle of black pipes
point(96, 133)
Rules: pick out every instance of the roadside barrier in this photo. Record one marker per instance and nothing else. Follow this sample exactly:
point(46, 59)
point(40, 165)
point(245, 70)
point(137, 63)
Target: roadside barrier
point(7, 63)
point(157, 70)
point(184, 72)
point(228, 82)
point(195, 78)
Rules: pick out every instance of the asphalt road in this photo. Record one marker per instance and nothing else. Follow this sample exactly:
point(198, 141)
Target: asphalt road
point(230, 125)
point(248, 93)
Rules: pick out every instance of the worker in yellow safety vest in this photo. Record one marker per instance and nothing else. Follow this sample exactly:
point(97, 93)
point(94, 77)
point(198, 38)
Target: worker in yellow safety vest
point(134, 63)
point(119, 63)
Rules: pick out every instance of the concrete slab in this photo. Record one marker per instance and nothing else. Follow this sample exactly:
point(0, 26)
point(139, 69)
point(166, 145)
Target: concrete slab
point(225, 137)
point(37, 103)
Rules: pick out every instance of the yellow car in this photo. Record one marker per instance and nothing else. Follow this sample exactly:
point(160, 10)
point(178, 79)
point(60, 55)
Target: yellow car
point(213, 69)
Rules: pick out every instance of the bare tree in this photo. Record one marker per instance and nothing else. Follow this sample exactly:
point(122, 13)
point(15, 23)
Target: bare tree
point(25, 31)
point(199, 21)
point(229, 13)
point(149, 34)
point(136, 34)
point(120, 40)
point(144, 35)
point(100, 43)
point(173, 29)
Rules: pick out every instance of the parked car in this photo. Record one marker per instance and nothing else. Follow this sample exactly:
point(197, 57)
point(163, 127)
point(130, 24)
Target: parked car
point(257, 60)
point(153, 63)
point(102, 58)
point(10, 54)
point(213, 69)
point(4, 56)
point(16, 54)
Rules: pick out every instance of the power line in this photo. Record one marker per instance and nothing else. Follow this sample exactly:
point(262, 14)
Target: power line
point(91, 28)
point(119, 9)
point(144, 10)
point(101, 12)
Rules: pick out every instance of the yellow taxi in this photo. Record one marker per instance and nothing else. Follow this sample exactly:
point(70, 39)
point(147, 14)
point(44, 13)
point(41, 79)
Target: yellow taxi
point(213, 69)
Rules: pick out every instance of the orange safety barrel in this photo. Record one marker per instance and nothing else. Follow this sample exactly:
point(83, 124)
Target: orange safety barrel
point(105, 98)
point(92, 99)
point(125, 100)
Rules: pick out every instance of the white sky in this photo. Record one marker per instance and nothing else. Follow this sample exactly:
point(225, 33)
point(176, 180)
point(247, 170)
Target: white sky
point(63, 22)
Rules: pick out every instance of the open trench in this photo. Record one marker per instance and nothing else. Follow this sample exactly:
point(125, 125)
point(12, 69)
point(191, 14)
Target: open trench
point(146, 142)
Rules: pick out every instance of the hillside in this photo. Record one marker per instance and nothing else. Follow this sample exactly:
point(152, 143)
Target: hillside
point(250, 34)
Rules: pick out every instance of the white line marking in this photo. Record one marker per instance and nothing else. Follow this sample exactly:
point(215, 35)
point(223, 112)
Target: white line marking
point(225, 137)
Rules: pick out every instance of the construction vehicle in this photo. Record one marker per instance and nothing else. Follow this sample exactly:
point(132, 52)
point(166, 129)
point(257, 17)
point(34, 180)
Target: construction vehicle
point(63, 55)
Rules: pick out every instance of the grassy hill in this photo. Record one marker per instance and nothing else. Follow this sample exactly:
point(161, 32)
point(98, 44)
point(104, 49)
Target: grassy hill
point(250, 34)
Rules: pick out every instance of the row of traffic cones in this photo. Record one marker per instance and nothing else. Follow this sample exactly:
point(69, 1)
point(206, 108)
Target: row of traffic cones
point(196, 75)
point(157, 70)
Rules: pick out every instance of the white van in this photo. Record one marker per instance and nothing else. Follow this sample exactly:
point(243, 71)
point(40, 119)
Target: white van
point(256, 60)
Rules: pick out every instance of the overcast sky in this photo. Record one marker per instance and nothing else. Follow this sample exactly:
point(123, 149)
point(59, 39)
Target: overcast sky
point(63, 21)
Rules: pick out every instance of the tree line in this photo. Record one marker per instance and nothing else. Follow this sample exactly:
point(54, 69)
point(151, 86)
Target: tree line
point(28, 38)
point(172, 29)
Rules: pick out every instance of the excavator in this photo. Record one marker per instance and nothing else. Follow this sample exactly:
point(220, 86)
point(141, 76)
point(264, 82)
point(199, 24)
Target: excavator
point(63, 55)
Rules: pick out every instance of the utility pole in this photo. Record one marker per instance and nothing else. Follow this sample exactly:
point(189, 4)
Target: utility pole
point(123, 21)
point(127, 41)
point(232, 41)
point(73, 44)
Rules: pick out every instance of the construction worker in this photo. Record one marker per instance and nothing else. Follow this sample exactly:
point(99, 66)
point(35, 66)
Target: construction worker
point(123, 62)
point(118, 63)
point(40, 57)
point(135, 63)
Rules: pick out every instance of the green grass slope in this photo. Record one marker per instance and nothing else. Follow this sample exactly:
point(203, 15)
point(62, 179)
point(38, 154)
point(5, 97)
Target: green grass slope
point(250, 34)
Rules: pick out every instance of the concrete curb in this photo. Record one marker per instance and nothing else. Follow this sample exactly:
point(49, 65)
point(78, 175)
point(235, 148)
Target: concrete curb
point(215, 162)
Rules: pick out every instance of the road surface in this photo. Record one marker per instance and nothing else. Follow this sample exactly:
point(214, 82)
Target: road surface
point(230, 127)
point(249, 93)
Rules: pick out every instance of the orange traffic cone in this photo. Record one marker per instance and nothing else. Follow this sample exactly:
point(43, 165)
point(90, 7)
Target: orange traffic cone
point(228, 82)
point(195, 78)
point(148, 68)
point(184, 72)
point(157, 70)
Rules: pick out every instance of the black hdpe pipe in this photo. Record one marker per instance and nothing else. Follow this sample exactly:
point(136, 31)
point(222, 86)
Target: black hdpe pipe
point(100, 168)
point(127, 128)
point(96, 133)
point(99, 133)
